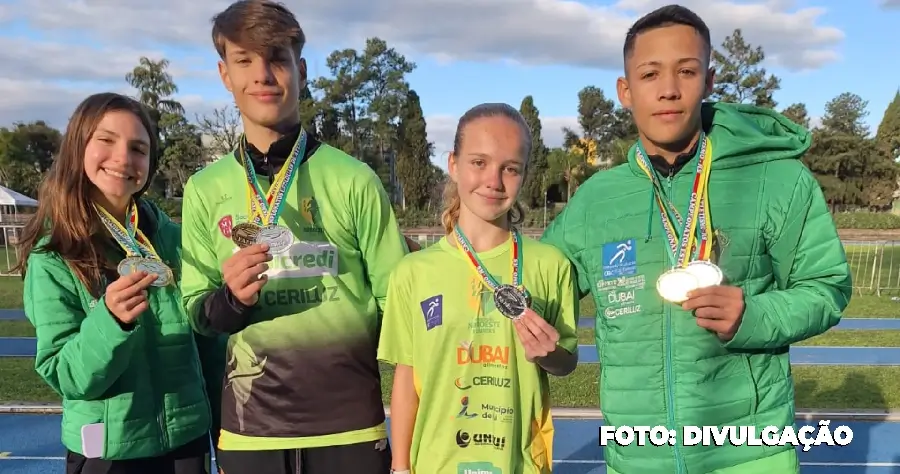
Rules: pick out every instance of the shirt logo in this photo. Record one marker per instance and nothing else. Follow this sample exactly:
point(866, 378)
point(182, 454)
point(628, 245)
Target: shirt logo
point(475, 467)
point(225, 225)
point(464, 408)
point(309, 210)
point(619, 259)
point(486, 356)
point(433, 311)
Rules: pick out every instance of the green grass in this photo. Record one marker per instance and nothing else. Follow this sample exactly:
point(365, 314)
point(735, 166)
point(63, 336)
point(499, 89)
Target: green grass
point(834, 337)
point(816, 387)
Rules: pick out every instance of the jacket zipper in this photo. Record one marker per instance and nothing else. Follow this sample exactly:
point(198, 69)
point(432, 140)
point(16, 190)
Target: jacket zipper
point(670, 391)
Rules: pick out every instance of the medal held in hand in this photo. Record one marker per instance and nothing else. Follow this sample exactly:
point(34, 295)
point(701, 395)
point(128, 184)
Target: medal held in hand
point(139, 252)
point(687, 274)
point(265, 211)
point(511, 300)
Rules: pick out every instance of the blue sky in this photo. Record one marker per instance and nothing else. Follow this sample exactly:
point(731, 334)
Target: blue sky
point(481, 53)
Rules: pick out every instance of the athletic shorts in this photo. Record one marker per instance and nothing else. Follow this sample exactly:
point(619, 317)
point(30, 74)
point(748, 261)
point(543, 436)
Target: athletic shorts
point(370, 457)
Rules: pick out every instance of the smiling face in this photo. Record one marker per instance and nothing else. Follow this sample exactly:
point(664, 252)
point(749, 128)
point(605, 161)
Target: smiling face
point(489, 167)
point(266, 87)
point(117, 158)
point(666, 80)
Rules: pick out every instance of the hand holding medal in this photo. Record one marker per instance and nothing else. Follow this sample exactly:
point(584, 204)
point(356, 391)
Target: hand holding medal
point(244, 273)
point(126, 298)
point(538, 337)
point(717, 308)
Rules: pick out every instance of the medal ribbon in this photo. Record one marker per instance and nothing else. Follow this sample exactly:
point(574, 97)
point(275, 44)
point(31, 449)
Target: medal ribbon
point(698, 208)
point(129, 237)
point(265, 212)
point(466, 248)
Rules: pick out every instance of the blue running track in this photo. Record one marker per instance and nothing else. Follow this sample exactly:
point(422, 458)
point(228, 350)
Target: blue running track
point(871, 324)
point(587, 354)
point(866, 324)
point(29, 444)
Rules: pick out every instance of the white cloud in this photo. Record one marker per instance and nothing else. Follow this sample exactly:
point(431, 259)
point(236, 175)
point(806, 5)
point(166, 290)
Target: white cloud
point(441, 128)
point(527, 31)
point(26, 101)
point(45, 78)
point(889, 4)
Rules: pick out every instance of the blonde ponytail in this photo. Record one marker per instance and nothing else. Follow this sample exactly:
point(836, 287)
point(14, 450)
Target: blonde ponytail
point(452, 203)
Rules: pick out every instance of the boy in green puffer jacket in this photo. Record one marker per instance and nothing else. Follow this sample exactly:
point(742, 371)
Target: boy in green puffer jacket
point(101, 270)
point(701, 348)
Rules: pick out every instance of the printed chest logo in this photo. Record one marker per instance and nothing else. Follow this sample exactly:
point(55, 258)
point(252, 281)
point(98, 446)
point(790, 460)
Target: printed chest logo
point(477, 468)
point(489, 411)
point(483, 381)
point(433, 311)
point(309, 210)
point(225, 225)
point(464, 439)
point(486, 356)
point(619, 258)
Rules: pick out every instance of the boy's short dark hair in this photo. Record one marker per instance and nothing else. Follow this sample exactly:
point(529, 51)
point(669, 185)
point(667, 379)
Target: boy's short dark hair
point(666, 16)
point(258, 25)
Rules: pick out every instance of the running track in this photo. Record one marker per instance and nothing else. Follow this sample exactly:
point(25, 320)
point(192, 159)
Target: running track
point(29, 444)
point(587, 354)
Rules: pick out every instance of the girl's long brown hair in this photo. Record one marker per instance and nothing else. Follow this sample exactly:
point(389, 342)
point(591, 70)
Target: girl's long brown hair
point(65, 214)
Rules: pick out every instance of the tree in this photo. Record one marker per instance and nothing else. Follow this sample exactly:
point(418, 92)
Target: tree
point(220, 130)
point(740, 78)
point(571, 166)
point(846, 114)
point(155, 88)
point(888, 135)
point(182, 153)
point(27, 151)
point(341, 94)
point(604, 126)
point(854, 172)
point(413, 154)
point(536, 181)
point(798, 114)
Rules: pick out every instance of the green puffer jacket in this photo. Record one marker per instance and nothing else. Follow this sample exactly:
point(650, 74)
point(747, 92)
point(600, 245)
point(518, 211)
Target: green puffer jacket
point(775, 239)
point(144, 384)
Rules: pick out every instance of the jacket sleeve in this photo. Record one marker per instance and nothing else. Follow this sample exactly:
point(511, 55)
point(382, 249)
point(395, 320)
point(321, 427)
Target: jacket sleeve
point(80, 355)
point(381, 242)
point(563, 233)
point(209, 305)
point(812, 277)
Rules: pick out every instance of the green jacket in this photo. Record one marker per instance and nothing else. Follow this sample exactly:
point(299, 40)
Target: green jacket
point(144, 384)
point(775, 239)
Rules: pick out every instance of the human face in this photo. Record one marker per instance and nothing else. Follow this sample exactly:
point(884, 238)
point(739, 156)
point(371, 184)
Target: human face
point(116, 158)
point(488, 169)
point(266, 88)
point(666, 80)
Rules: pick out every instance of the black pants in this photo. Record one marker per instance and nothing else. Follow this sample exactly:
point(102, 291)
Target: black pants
point(192, 458)
point(371, 457)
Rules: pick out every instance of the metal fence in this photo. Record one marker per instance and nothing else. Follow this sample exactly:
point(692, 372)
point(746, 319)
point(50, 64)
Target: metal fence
point(875, 265)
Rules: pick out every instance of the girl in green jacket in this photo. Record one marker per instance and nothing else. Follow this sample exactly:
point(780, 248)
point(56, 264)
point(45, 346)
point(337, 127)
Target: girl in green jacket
point(101, 267)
